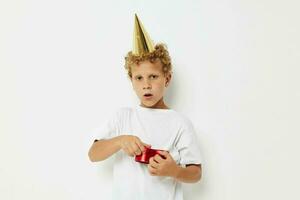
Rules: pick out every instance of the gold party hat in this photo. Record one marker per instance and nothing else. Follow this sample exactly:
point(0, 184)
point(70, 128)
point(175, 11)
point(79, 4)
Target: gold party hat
point(141, 41)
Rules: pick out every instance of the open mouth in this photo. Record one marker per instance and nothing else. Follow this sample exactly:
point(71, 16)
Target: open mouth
point(148, 95)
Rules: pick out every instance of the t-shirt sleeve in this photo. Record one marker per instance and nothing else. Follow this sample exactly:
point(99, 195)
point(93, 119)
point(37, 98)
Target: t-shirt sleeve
point(109, 128)
point(187, 145)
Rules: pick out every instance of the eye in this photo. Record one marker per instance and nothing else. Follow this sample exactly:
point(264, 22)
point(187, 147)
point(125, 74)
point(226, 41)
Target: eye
point(153, 76)
point(138, 78)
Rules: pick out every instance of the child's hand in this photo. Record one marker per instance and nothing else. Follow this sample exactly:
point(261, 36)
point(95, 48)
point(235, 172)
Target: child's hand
point(132, 145)
point(159, 166)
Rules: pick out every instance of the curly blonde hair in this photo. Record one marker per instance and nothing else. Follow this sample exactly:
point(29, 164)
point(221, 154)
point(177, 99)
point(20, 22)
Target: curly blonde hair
point(160, 53)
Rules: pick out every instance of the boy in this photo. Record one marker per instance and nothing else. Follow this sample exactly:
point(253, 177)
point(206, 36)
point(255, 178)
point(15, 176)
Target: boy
point(152, 124)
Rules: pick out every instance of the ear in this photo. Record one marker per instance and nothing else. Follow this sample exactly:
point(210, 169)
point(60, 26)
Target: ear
point(168, 79)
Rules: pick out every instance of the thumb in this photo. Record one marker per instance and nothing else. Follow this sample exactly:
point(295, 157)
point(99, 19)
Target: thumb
point(147, 145)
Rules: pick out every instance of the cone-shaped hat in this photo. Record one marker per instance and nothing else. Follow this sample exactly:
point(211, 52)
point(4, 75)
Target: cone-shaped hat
point(141, 40)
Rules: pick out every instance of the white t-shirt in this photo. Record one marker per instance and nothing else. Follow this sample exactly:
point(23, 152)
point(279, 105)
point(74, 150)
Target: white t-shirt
point(164, 129)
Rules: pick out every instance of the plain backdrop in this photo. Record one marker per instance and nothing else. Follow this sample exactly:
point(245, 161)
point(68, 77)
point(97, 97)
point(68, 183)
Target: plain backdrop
point(236, 69)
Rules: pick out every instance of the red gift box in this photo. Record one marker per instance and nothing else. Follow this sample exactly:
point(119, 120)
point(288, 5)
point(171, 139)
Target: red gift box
point(145, 156)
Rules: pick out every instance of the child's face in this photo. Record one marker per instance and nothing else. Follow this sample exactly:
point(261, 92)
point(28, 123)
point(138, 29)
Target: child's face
point(148, 78)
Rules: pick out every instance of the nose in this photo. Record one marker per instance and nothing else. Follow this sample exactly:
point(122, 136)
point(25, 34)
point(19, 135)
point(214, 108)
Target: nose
point(147, 85)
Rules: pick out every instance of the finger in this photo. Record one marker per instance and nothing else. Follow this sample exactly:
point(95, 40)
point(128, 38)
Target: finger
point(152, 163)
point(136, 149)
point(131, 150)
point(151, 170)
point(127, 151)
point(164, 153)
point(141, 146)
point(152, 174)
point(147, 145)
point(152, 159)
point(158, 158)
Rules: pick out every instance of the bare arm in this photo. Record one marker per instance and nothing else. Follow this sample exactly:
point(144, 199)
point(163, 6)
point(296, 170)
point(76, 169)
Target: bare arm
point(102, 149)
point(190, 174)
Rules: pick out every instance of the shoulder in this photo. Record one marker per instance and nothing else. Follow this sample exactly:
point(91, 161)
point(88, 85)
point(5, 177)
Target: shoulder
point(182, 119)
point(122, 111)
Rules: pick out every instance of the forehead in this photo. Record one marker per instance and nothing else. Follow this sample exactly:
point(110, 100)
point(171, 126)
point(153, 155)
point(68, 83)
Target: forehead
point(146, 67)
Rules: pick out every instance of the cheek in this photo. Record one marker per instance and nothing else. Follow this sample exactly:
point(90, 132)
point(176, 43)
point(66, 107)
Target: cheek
point(134, 84)
point(160, 87)
point(136, 87)
point(160, 84)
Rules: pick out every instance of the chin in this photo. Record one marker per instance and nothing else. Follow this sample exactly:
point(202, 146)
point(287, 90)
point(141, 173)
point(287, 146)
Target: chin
point(148, 104)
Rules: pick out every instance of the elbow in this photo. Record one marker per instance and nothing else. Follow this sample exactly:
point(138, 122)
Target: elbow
point(91, 155)
point(196, 178)
point(195, 173)
point(199, 174)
